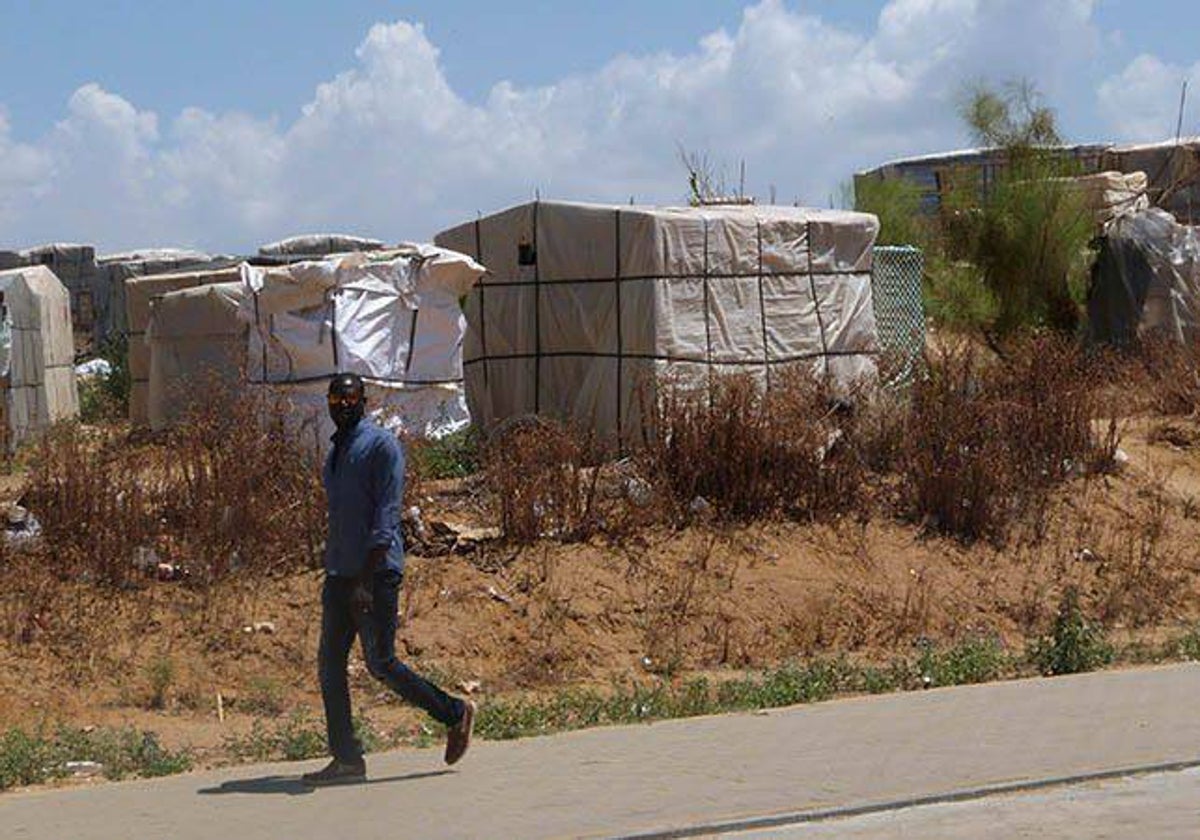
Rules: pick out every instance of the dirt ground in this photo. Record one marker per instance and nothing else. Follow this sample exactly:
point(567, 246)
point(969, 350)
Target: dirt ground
point(663, 604)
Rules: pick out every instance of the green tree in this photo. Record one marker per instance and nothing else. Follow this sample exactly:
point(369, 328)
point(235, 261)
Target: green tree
point(1006, 255)
point(1030, 233)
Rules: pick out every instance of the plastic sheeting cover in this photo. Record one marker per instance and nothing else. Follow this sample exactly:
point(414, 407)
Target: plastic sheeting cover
point(1147, 280)
point(585, 306)
point(41, 372)
point(319, 244)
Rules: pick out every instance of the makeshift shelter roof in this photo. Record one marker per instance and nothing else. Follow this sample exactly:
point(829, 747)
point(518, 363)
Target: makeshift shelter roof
point(319, 244)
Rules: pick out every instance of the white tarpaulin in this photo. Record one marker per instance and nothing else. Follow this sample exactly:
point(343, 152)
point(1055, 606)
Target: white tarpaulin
point(140, 295)
point(585, 307)
point(319, 245)
point(392, 317)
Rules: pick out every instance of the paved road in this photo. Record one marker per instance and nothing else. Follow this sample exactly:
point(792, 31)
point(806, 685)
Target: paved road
point(1163, 806)
point(698, 774)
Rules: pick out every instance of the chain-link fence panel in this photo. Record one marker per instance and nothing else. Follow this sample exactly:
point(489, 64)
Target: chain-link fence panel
point(899, 310)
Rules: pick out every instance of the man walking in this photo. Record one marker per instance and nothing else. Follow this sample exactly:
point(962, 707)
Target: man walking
point(364, 565)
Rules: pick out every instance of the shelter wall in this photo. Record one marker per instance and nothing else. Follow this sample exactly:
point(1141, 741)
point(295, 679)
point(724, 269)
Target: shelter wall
point(140, 293)
point(585, 307)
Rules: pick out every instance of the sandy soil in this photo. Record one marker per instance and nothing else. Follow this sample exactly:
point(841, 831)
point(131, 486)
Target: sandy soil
point(664, 603)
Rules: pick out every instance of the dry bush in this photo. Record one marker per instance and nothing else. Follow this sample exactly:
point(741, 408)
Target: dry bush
point(752, 452)
point(986, 438)
point(1167, 373)
point(230, 487)
point(1140, 575)
point(536, 469)
point(246, 491)
point(98, 501)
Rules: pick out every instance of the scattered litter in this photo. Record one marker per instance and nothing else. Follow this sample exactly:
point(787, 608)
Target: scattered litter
point(84, 769)
point(478, 535)
point(438, 538)
point(1120, 460)
point(638, 491)
point(94, 367)
point(169, 571)
point(413, 515)
point(830, 442)
point(145, 558)
point(20, 526)
point(647, 662)
point(267, 627)
point(496, 595)
point(470, 686)
point(1086, 555)
point(700, 506)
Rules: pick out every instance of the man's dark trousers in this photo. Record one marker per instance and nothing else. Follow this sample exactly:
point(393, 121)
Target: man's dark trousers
point(376, 629)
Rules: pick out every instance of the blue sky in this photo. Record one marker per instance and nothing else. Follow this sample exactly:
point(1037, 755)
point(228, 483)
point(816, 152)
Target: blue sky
point(224, 124)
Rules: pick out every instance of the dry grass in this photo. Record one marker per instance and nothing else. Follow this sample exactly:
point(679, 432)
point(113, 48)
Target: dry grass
point(750, 453)
point(536, 471)
point(986, 438)
point(1168, 373)
point(230, 489)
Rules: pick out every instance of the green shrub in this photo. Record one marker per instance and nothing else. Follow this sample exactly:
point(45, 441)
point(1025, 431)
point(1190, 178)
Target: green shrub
point(974, 660)
point(106, 398)
point(1074, 645)
point(897, 204)
point(455, 455)
point(30, 758)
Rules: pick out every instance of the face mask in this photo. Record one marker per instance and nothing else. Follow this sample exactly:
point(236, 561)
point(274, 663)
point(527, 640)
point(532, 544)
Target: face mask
point(346, 412)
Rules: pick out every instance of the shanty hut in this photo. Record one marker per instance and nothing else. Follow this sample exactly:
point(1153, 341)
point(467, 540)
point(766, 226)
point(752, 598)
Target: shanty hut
point(586, 307)
point(114, 271)
point(37, 371)
point(140, 294)
point(392, 316)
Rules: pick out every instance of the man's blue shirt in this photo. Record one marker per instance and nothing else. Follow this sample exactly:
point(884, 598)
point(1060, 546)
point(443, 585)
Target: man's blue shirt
point(364, 485)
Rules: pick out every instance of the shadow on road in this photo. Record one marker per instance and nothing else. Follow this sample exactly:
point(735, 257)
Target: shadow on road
point(292, 786)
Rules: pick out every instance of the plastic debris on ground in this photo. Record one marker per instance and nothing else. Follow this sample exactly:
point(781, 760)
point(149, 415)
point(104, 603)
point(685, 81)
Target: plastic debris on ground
point(94, 367)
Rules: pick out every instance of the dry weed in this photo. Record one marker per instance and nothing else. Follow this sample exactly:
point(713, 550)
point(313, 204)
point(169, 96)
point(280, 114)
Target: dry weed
point(752, 452)
point(987, 438)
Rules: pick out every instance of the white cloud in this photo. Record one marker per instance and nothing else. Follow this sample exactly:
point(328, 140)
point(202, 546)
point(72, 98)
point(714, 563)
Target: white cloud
point(1142, 101)
point(388, 148)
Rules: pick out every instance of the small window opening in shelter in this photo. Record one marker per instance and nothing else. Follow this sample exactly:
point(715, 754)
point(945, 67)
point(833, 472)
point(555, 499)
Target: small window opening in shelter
point(526, 252)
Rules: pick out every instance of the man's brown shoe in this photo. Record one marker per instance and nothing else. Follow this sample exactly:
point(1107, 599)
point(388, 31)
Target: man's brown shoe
point(337, 773)
point(458, 737)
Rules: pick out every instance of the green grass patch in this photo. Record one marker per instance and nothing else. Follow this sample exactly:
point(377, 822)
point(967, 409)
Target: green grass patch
point(28, 758)
point(298, 737)
point(1074, 644)
point(972, 661)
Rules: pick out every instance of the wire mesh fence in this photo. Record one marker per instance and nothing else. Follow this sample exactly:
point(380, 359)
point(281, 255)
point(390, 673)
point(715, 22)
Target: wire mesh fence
point(899, 310)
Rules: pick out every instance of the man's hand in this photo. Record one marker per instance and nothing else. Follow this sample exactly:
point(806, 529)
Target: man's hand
point(360, 596)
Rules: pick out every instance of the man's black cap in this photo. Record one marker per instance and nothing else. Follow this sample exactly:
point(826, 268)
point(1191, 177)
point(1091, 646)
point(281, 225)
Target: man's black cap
point(344, 384)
